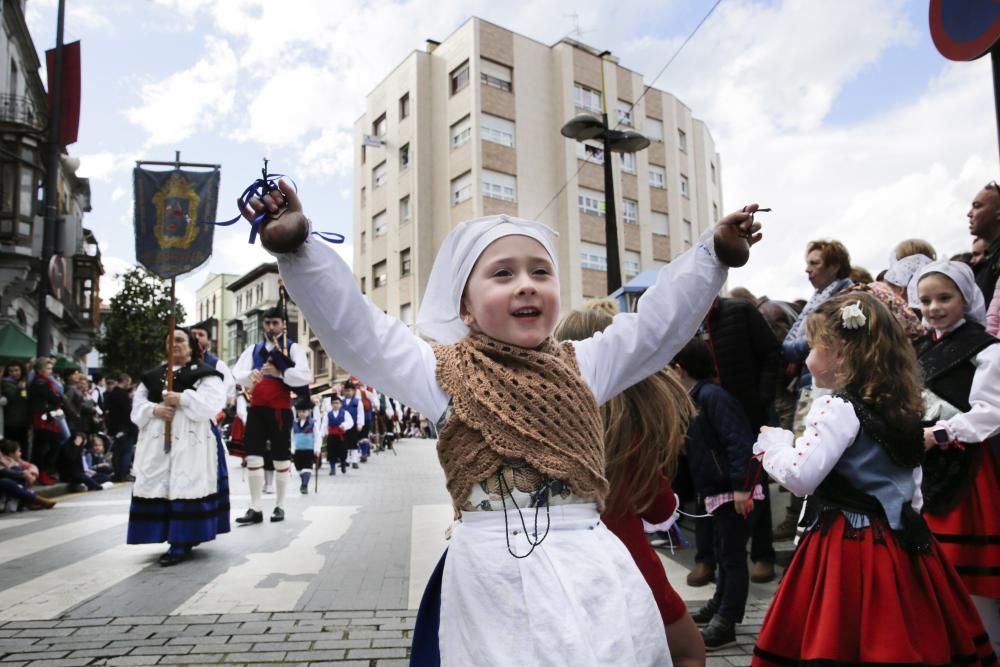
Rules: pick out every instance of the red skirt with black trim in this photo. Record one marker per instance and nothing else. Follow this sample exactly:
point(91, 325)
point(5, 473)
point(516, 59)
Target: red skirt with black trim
point(970, 533)
point(855, 597)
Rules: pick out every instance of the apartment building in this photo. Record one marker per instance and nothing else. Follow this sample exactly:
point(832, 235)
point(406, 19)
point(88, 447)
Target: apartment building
point(214, 304)
point(471, 126)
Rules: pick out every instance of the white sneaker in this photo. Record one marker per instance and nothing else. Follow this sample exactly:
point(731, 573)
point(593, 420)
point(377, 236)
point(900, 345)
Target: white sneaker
point(108, 485)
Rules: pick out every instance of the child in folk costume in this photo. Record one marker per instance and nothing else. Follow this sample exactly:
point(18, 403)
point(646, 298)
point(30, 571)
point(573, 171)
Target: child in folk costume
point(643, 433)
point(339, 424)
point(869, 583)
point(532, 576)
point(304, 442)
point(961, 366)
point(352, 435)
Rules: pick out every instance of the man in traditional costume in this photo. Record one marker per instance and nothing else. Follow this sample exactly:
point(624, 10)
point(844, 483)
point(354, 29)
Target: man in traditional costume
point(273, 367)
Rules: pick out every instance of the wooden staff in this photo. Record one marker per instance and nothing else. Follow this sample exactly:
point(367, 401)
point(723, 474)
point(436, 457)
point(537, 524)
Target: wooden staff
point(171, 325)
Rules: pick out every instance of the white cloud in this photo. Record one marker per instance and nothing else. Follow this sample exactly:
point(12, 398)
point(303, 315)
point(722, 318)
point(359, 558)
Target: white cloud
point(106, 166)
point(117, 193)
point(185, 102)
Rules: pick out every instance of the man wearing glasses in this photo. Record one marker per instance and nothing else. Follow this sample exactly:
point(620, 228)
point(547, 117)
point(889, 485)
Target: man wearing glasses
point(984, 222)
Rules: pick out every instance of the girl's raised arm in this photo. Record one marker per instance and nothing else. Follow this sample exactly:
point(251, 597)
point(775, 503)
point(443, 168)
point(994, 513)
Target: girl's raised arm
point(379, 349)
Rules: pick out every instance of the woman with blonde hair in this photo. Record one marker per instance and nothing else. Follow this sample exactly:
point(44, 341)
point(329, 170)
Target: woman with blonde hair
point(644, 430)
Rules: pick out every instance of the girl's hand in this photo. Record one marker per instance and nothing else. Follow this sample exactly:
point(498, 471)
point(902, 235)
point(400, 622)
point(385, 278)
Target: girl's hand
point(734, 235)
point(929, 441)
point(164, 412)
point(285, 227)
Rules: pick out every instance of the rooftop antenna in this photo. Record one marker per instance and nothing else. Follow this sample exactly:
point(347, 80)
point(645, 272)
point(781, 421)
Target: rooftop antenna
point(575, 32)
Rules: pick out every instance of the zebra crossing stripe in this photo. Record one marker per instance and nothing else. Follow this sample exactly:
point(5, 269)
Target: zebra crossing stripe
point(50, 595)
point(40, 541)
point(250, 586)
point(15, 523)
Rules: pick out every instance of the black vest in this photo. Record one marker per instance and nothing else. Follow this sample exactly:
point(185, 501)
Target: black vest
point(185, 377)
point(947, 365)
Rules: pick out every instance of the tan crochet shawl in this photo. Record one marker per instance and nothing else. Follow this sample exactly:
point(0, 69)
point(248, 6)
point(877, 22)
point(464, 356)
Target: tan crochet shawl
point(513, 403)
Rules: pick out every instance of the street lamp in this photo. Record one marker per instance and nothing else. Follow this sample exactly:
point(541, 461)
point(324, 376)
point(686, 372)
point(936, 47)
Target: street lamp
point(588, 126)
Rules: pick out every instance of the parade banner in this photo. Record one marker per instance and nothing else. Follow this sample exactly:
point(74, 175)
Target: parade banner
point(171, 209)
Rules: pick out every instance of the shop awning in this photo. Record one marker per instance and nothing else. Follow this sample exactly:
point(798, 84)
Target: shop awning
point(15, 345)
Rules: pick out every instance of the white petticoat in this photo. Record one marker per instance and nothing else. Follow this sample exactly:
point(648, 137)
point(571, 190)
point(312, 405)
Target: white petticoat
point(578, 599)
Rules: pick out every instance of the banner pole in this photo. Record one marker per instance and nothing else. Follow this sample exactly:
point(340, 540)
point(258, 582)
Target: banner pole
point(171, 326)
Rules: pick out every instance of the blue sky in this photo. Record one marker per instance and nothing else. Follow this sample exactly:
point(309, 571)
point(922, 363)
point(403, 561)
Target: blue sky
point(839, 114)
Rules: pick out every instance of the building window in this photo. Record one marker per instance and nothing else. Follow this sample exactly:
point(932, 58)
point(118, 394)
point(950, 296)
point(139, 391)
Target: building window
point(260, 292)
point(654, 128)
point(404, 106)
point(405, 263)
point(404, 156)
point(682, 140)
point(591, 202)
point(320, 366)
point(363, 290)
point(688, 234)
point(213, 305)
point(239, 303)
point(406, 314)
point(659, 223)
point(459, 77)
point(379, 175)
point(379, 126)
point(632, 261)
point(364, 196)
point(593, 256)
point(657, 177)
point(685, 186)
point(380, 225)
point(404, 210)
point(495, 75)
point(712, 165)
point(499, 186)
point(461, 188)
point(461, 132)
point(364, 243)
point(625, 113)
point(497, 130)
point(590, 151)
point(587, 98)
point(380, 275)
point(628, 162)
point(715, 212)
point(630, 211)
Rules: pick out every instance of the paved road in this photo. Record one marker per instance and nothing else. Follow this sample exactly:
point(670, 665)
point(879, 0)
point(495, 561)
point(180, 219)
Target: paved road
point(336, 583)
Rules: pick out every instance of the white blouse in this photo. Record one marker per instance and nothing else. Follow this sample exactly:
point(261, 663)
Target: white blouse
point(384, 352)
point(801, 464)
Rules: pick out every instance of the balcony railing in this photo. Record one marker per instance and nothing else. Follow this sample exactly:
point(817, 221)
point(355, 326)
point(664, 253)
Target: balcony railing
point(23, 110)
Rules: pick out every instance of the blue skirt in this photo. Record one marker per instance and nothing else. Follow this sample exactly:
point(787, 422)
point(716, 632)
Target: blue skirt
point(190, 521)
point(424, 649)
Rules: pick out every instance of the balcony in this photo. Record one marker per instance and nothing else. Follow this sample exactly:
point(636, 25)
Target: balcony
point(22, 111)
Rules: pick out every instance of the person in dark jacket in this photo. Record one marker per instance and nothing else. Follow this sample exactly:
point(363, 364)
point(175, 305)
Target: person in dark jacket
point(118, 408)
point(16, 418)
point(719, 446)
point(45, 406)
point(746, 359)
point(984, 222)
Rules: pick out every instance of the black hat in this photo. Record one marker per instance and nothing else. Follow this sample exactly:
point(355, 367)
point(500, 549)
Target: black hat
point(303, 404)
point(349, 384)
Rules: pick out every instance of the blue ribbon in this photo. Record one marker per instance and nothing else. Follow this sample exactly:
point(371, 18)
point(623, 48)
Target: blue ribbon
point(258, 189)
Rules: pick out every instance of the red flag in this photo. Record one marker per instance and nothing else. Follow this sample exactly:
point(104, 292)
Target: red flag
point(69, 103)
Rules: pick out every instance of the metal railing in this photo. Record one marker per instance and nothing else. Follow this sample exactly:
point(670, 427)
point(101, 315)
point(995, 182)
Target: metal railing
point(23, 110)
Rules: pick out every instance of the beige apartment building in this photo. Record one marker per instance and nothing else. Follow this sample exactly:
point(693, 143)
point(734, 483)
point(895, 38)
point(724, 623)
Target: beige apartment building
point(471, 127)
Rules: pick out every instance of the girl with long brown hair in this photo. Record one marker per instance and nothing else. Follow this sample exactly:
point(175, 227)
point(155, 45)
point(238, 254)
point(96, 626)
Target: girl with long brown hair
point(868, 583)
point(644, 430)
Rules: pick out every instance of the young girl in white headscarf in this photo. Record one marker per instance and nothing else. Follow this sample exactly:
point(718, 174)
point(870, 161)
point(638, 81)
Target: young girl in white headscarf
point(961, 367)
point(532, 576)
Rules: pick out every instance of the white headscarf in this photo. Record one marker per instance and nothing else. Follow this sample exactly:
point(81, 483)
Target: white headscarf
point(903, 273)
point(439, 317)
point(961, 274)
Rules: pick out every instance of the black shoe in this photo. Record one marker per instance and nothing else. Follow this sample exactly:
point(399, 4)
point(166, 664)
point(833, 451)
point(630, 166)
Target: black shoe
point(304, 489)
point(718, 634)
point(704, 615)
point(251, 516)
point(277, 515)
point(169, 558)
point(333, 471)
point(343, 468)
point(354, 465)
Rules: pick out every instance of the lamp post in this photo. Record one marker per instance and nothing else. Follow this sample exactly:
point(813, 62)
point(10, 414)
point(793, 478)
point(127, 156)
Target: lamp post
point(588, 126)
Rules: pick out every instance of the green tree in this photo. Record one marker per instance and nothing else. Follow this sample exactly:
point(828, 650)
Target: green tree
point(136, 328)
